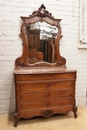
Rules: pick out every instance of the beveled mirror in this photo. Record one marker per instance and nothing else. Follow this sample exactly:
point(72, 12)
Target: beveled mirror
point(41, 34)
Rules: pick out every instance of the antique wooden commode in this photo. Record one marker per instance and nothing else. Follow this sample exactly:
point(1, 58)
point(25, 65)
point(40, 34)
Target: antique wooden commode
point(43, 84)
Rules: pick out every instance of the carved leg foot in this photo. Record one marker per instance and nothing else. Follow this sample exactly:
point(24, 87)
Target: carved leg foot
point(75, 110)
point(16, 119)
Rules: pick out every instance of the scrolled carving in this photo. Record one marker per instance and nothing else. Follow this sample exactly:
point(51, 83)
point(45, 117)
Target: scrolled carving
point(62, 61)
point(22, 34)
point(42, 12)
point(47, 113)
point(19, 62)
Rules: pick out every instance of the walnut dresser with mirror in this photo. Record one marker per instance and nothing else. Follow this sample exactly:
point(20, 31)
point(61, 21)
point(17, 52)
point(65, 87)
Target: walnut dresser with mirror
point(43, 84)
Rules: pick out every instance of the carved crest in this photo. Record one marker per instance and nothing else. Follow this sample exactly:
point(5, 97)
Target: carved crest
point(42, 12)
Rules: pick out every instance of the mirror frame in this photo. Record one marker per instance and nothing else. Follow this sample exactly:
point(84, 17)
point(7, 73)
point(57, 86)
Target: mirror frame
point(41, 15)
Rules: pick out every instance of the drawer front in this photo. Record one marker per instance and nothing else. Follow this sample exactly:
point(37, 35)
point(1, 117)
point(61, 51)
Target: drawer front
point(32, 105)
point(45, 104)
point(45, 86)
point(30, 77)
point(55, 95)
point(63, 102)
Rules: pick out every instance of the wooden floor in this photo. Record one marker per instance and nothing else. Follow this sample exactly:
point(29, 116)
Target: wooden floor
point(57, 122)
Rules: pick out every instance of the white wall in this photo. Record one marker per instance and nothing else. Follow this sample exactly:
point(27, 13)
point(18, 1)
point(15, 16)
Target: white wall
point(11, 44)
point(85, 18)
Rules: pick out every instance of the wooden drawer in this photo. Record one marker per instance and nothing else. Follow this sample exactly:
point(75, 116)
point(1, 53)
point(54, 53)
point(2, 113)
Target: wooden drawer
point(62, 102)
point(45, 86)
point(45, 95)
point(30, 77)
point(45, 104)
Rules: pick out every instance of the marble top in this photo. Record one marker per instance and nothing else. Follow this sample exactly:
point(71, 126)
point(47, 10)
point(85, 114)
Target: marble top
point(37, 70)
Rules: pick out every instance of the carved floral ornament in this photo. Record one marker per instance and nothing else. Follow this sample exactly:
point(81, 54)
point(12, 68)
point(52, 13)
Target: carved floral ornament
point(42, 12)
point(40, 15)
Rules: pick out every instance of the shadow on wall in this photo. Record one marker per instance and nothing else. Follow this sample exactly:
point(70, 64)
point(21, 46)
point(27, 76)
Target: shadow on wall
point(86, 95)
point(12, 100)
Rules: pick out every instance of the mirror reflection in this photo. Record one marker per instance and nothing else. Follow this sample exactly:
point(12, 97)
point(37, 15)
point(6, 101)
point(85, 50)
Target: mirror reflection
point(41, 42)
